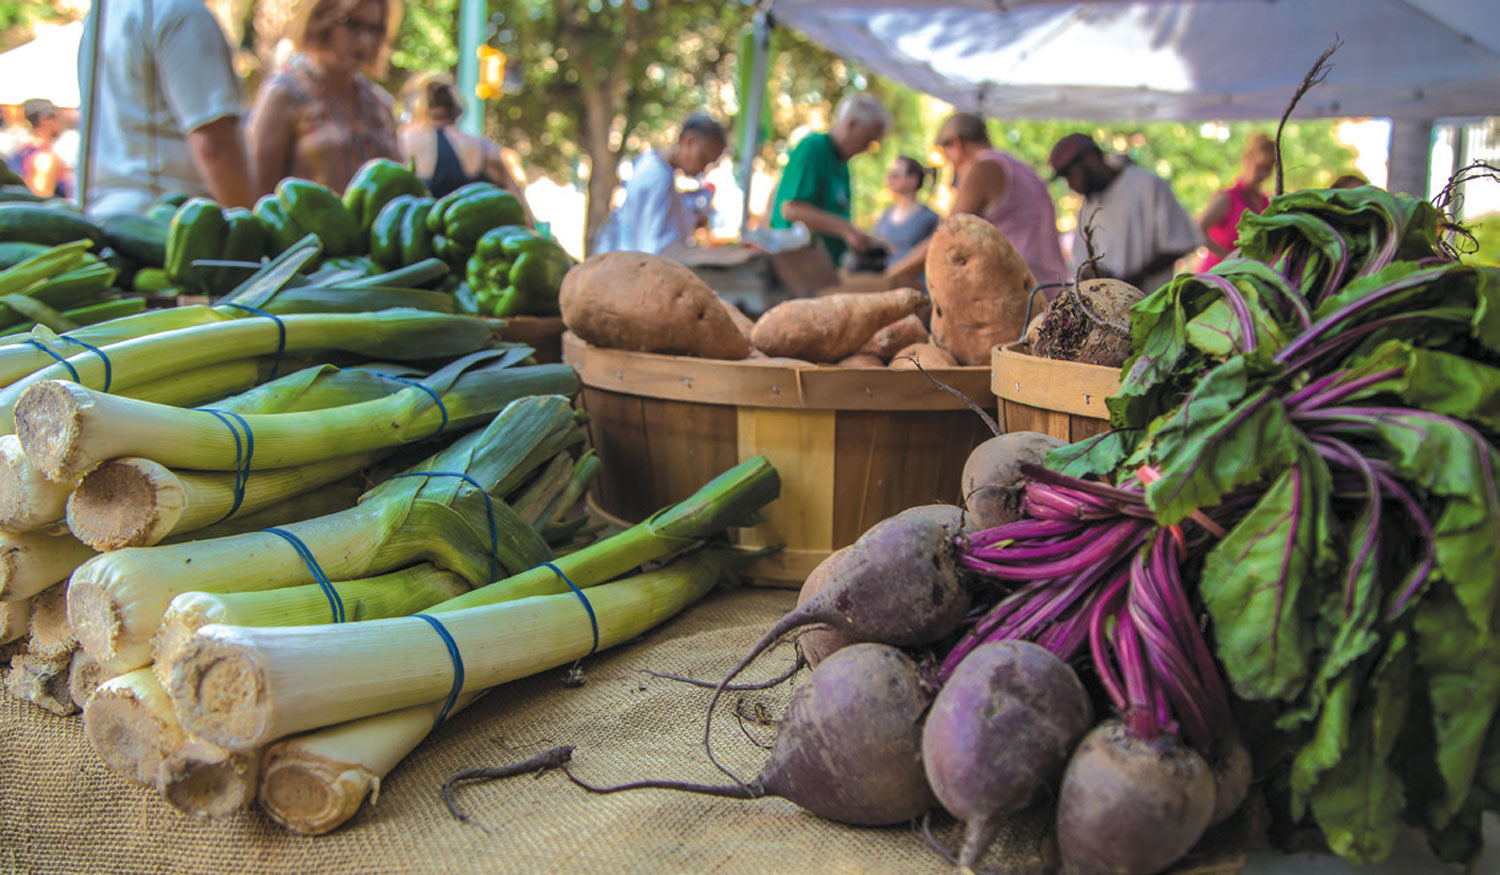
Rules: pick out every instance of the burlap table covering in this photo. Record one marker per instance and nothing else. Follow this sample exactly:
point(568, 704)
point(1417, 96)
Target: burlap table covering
point(63, 811)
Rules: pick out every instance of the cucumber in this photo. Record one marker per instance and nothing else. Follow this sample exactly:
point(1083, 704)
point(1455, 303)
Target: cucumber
point(140, 238)
point(34, 223)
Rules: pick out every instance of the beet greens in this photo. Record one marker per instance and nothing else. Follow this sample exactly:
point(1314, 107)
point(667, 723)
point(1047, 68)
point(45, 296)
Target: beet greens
point(1304, 513)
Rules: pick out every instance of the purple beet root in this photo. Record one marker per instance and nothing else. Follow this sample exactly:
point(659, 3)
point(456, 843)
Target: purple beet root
point(1131, 807)
point(1001, 727)
point(849, 747)
point(817, 644)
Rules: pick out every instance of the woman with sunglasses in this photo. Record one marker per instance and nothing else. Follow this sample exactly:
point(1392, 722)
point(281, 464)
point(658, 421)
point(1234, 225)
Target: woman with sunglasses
point(322, 118)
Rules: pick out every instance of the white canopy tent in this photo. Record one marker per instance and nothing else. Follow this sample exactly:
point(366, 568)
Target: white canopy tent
point(46, 67)
point(1413, 61)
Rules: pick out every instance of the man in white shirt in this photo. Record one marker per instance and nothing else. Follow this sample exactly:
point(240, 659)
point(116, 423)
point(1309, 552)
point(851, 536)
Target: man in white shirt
point(652, 218)
point(166, 107)
point(1139, 228)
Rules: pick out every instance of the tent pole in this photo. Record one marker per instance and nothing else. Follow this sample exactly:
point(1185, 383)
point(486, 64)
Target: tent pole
point(751, 113)
point(471, 20)
point(1410, 157)
point(88, 104)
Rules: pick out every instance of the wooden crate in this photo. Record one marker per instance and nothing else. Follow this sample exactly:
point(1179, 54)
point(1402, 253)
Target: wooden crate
point(544, 333)
point(1063, 399)
point(852, 445)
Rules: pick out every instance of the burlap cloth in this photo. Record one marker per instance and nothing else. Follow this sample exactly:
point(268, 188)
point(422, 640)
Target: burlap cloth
point(63, 811)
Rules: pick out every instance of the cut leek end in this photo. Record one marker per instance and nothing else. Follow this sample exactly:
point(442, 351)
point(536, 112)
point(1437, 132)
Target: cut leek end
point(172, 636)
point(125, 503)
point(312, 794)
point(48, 423)
point(14, 618)
point(85, 676)
point(49, 634)
point(97, 624)
point(128, 734)
point(218, 691)
point(205, 780)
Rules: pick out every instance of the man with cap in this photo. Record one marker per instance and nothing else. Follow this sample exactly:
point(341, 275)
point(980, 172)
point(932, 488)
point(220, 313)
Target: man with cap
point(1001, 189)
point(1139, 228)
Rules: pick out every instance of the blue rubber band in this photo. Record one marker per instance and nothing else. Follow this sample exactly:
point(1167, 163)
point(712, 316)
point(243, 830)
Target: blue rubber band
point(334, 602)
point(458, 668)
point(280, 329)
point(59, 359)
point(425, 388)
point(243, 454)
point(593, 620)
point(109, 371)
point(489, 509)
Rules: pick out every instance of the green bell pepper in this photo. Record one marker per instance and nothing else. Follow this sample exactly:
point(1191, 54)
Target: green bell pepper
point(385, 234)
point(375, 184)
point(282, 234)
point(245, 239)
point(463, 220)
point(516, 272)
point(313, 208)
point(197, 232)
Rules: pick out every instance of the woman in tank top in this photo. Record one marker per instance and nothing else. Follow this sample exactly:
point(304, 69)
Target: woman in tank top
point(1221, 218)
point(445, 157)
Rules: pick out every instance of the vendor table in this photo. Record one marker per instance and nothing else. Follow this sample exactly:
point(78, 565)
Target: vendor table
point(62, 810)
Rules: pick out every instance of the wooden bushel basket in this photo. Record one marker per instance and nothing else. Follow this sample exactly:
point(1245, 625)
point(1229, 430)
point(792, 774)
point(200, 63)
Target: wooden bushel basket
point(1063, 399)
point(852, 445)
point(542, 333)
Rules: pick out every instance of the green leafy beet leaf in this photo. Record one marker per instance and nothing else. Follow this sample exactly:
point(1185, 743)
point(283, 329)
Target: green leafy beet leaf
point(1462, 670)
point(1253, 441)
point(1326, 747)
point(1252, 584)
point(1439, 382)
point(1096, 456)
point(1358, 806)
point(1160, 354)
point(1216, 331)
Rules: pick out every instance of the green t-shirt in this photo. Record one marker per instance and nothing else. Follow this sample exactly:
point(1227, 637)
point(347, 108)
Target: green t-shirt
point(816, 175)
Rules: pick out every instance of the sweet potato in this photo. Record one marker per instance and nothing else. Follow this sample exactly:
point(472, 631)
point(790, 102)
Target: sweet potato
point(928, 355)
point(829, 328)
point(862, 360)
point(896, 336)
point(979, 287)
point(630, 300)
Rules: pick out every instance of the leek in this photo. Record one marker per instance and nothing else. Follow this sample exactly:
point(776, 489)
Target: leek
point(243, 687)
point(393, 334)
point(66, 429)
point(15, 615)
point(28, 500)
point(397, 594)
point(116, 601)
point(85, 674)
point(32, 561)
point(49, 635)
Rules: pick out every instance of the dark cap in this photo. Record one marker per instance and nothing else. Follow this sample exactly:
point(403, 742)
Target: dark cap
point(1070, 149)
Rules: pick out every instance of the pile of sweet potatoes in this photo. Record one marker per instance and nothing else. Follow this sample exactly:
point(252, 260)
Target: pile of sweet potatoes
point(634, 301)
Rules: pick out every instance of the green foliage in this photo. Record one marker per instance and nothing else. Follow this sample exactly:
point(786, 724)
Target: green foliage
point(18, 18)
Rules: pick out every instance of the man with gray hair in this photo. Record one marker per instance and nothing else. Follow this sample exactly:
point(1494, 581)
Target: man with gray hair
point(814, 186)
point(652, 218)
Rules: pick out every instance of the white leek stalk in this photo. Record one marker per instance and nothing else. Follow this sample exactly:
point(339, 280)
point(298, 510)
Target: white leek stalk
point(28, 500)
point(15, 616)
point(84, 676)
point(390, 334)
point(50, 635)
point(397, 594)
point(131, 502)
point(243, 687)
point(66, 429)
point(19, 358)
point(31, 562)
point(116, 601)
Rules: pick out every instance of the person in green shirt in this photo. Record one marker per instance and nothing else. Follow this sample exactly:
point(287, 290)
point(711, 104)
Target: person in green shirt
point(814, 187)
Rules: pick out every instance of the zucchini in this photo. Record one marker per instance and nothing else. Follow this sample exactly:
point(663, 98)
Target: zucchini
point(35, 223)
point(143, 240)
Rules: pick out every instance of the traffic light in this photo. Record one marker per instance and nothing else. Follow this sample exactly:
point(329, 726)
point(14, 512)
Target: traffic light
point(491, 73)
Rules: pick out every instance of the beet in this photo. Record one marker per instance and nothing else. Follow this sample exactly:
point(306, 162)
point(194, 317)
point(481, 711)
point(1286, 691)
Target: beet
point(818, 643)
point(992, 480)
point(1232, 772)
point(1129, 806)
point(1089, 323)
point(1001, 728)
point(849, 747)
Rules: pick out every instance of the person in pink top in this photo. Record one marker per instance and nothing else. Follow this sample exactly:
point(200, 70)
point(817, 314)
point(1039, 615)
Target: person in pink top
point(1001, 189)
point(1221, 218)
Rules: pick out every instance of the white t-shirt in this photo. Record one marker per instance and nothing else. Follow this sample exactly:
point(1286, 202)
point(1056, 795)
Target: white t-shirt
point(1134, 220)
point(164, 70)
point(652, 217)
